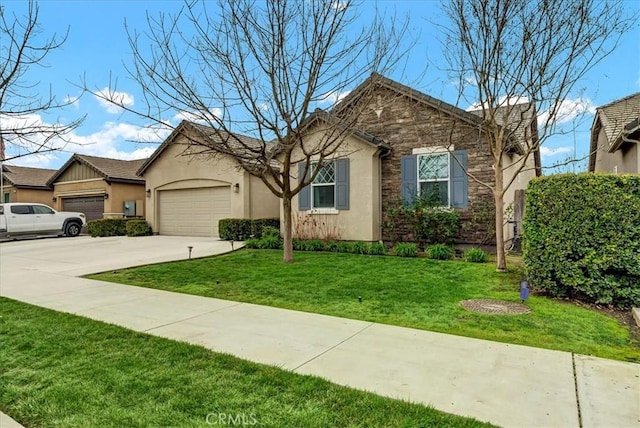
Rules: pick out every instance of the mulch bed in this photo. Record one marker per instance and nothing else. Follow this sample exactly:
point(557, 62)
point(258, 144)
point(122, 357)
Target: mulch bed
point(495, 307)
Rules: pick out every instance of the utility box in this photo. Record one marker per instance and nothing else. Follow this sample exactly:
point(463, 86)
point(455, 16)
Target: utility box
point(129, 208)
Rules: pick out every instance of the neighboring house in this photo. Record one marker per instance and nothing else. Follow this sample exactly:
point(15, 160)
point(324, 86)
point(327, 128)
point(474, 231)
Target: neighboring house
point(615, 136)
point(407, 143)
point(99, 187)
point(23, 184)
point(189, 192)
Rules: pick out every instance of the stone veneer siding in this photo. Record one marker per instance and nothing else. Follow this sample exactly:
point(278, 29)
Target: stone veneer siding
point(405, 124)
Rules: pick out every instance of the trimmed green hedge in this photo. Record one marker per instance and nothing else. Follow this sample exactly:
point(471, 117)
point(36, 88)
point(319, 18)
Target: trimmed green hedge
point(582, 237)
point(138, 228)
point(107, 227)
point(240, 229)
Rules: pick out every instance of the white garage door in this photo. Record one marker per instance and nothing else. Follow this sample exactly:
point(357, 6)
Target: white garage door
point(193, 212)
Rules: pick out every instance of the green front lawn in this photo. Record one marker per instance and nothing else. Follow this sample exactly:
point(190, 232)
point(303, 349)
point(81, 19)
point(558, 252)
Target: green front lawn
point(416, 293)
point(66, 371)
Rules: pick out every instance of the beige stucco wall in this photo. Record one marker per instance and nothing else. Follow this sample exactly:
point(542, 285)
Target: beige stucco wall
point(262, 202)
point(92, 187)
point(623, 161)
point(29, 195)
point(174, 170)
point(121, 192)
point(362, 220)
point(512, 163)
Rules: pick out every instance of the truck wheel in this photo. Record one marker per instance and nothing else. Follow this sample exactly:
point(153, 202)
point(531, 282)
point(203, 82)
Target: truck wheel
point(73, 229)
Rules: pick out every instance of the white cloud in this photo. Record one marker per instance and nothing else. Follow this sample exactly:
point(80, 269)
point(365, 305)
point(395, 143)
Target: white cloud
point(546, 152)
point(114, 140)
point(211, 115)
point(568, 111)
point(502, 102)
point(106, 97)
point(333, 97)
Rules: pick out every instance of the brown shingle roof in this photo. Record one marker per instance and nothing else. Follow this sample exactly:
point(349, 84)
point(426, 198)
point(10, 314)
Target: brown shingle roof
point(520, 118)
point(110, 169)
point(22, 176)
point(238, 143)
point(617, 114)
point(114, 168)
point(616, 119)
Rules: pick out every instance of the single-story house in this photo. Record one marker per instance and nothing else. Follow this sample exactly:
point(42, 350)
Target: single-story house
point(188, 191)
point(615, 137)
point(24, 184)
point(99, 187)
point(406, 143)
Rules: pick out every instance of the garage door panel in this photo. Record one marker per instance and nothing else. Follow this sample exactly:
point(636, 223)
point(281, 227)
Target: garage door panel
point(91, 206)
point(193, 212)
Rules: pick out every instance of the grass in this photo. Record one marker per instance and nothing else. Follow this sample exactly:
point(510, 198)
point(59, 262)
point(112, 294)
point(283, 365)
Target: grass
point(418, 293)
point(66, 371)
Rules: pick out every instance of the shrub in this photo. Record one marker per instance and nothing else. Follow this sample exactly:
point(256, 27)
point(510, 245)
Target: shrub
point(138, 228)
point(435, 225)
point(405, 249)
point(377, 249)
point(359, 248)
point(259, 225)
point(107, 227)
point(298, 244)
point(314, 245)
point(344, 247)
point(270, 232)
point(331, 246)
point(239, 229)
point(582, 237)
point(270, 242)
point(429, 224)
point(252, 243)
point(440, 252)
point(475, 255)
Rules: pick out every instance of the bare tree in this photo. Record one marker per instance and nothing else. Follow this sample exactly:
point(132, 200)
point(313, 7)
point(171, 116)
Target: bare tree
point(22, 101)
point(508, 51)
point(261, 69)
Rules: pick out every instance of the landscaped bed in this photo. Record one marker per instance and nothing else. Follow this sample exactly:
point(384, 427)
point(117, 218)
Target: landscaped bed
point(66, 371)
point(418, 293)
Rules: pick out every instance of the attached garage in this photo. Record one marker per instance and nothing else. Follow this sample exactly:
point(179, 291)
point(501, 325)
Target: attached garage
point(193, 212)
point(91, 206)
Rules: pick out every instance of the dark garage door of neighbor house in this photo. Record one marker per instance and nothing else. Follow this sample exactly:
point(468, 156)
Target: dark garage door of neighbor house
point(91, 206)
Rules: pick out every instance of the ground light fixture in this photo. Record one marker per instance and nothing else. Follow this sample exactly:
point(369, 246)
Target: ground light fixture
point(524, 290)
point(190, 248)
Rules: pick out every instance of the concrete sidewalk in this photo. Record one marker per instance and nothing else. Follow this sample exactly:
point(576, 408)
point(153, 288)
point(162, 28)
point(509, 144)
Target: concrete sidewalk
point(508, 385)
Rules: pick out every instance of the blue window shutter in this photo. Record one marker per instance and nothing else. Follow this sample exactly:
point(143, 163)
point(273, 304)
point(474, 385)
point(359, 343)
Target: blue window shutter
point(342, 184)
point(409, 172)
point(304, 197)
point(459, 181)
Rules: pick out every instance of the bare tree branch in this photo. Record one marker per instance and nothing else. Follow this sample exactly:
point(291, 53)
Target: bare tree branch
point(516, 51)
point(22, 129)
point(260, 69)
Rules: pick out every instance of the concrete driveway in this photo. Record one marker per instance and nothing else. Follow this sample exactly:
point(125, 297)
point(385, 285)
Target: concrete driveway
point(508, 385)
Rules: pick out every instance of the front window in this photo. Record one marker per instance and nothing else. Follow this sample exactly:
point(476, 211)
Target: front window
point(433, 178)
point(41, 209)
point(323, 188)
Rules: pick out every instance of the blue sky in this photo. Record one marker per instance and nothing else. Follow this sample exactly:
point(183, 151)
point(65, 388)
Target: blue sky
point(97, 47)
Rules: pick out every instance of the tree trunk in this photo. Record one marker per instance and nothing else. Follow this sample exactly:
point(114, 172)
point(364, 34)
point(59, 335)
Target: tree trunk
point(498, 194)
point(287, 244)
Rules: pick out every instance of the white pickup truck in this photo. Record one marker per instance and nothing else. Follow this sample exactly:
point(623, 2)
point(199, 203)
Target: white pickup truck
point(18, 219)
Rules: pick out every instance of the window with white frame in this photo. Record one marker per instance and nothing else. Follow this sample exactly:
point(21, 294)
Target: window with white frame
point(323, 188)
point(433, 178)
